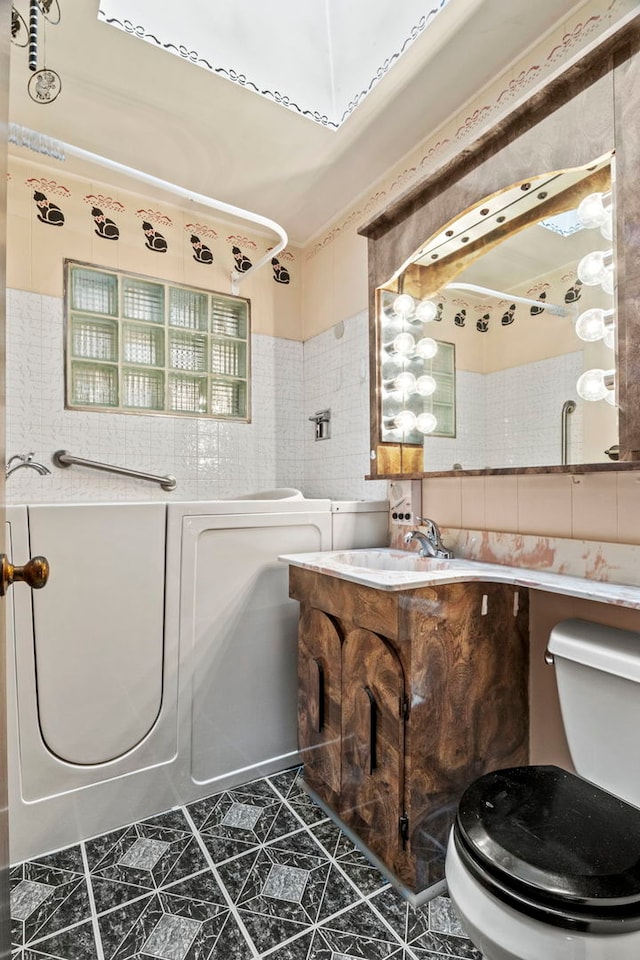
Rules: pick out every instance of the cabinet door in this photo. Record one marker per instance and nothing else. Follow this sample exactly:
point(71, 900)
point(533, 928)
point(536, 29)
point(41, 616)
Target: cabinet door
point(373, 742)
point(319, 693)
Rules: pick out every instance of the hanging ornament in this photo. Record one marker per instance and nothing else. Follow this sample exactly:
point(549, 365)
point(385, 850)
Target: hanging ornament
point(19, 32)
point(50, 10)
point(44, 85)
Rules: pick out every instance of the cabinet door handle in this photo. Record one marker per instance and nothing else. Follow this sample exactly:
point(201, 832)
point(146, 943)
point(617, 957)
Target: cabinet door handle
point(373, 729)
point(320, 695)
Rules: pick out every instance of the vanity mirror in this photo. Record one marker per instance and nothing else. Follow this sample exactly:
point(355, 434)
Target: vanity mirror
point(519, 290)
point(522, 284)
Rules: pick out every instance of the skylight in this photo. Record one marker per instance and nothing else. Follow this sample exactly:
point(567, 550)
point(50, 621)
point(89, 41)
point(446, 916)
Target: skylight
point(317, 59)
point(565, 224)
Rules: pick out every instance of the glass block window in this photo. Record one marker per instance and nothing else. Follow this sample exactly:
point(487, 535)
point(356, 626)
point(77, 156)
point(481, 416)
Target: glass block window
point(138, 345)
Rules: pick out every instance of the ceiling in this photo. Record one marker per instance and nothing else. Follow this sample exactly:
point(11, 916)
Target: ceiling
point(135, 103)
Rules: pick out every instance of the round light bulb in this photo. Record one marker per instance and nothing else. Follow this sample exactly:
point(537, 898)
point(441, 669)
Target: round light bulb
point(405, 383)
point(403, 344)
point(426, 348)
point(591, 211)
point(608, 281)
point(610, 336)
point(426, 385)
point(426, 422)
point(591, 268)
point(611, 398)
point(590, 325)
point(405, 421)
point(426, 311)
point(403, 305)
point(606, 227)
point(591, 385)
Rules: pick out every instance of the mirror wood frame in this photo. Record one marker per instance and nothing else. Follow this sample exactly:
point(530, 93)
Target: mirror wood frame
point(588, 107)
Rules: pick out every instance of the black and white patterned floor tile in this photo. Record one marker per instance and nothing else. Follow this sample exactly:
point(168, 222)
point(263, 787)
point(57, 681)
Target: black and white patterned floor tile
point(257, 871)
point(128, 863)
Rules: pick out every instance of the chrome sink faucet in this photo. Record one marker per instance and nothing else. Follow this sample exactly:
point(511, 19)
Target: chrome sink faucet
point(25, 460)
point(431, 544)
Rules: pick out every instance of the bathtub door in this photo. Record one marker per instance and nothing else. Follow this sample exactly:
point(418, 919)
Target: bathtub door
point(239, 632)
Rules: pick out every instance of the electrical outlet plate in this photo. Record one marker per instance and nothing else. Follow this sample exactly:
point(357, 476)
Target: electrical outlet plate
point(405, 501)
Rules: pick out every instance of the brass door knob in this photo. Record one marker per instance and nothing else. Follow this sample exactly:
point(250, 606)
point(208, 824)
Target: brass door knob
point(35, 573)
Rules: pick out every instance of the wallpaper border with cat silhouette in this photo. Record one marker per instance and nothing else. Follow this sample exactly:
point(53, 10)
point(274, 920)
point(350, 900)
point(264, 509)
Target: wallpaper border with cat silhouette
point(154, 228)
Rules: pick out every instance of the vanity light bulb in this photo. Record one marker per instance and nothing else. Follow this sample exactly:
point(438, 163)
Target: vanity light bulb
point(606, 227)
point(426, 422)
point(611, 398)
point(403, 344)
point(591, 385)
point(590, 325)
point(591, 211)
point(405, 421)
point(426, 385)
point(405, 383)
point(607, 282)
point(610, 337)
point(426, 311)
point(426, 348)
point(592, 268)
point(403, 305)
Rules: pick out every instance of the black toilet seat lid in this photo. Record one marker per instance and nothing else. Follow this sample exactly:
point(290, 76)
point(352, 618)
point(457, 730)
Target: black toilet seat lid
point(553, 838)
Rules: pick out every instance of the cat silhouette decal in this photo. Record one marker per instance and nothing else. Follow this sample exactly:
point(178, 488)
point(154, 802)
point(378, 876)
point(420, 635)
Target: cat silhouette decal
point(155, 241)
point(509, 316)
point(242, 263)
point(201, 252)
point(105, 227)
point(574, 292)
point(460, 318)
point(482, 325)
point(48, 212)
point(280, 273)
point(535, 309)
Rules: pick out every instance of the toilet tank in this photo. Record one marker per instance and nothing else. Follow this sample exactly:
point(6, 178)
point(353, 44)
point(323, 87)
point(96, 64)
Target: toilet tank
point(598, 676)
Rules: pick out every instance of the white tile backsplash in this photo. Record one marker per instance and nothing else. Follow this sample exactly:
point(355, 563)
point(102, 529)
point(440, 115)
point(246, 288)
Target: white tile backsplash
point(209, 458)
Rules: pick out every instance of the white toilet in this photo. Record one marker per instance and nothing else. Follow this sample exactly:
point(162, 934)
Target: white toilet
point(543, 864)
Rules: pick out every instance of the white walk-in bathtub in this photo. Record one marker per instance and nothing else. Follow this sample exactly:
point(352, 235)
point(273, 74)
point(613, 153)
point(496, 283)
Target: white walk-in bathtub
point(159, 663)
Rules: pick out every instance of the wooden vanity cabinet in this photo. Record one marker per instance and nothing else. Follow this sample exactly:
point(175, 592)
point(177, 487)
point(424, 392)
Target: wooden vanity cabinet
point(405, 697)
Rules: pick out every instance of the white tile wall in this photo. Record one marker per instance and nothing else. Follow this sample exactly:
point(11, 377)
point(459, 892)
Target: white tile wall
point(210, 458)
point(507, 419)
point(525, 404)
point(468, 446)
point(336, 376)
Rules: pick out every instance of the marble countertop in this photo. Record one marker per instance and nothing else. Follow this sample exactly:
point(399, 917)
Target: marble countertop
point(387, 569)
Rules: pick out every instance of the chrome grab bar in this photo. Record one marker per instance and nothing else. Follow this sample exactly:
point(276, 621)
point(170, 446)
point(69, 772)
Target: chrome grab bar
point(567, 407)
point(62, 458)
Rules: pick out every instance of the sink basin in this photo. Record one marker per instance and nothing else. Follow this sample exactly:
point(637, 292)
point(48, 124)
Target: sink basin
point(385, 569)
point(396, 560)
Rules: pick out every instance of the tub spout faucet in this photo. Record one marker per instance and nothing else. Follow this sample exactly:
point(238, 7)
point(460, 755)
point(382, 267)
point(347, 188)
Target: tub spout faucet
point(431, 544)
point(25, 460)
